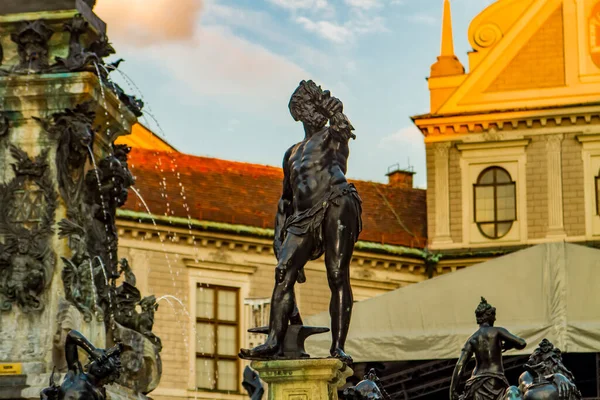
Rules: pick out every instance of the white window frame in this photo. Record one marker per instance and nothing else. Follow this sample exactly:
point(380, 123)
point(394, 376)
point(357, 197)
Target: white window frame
point(475, 158)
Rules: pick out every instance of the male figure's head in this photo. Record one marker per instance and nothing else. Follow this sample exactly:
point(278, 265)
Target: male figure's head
point(485, 313)
point(306, 105)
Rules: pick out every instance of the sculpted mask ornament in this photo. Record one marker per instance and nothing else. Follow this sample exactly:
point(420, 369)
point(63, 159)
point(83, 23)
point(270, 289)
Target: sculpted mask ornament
point(106, 190)
point(32, 41)
point(79, 58)
point(75, 133)
point(128, 298)
point(27, 207)
point(78, 274)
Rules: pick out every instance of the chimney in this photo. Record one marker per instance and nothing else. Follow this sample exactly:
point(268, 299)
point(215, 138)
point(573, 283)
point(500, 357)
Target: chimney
point(400, 178)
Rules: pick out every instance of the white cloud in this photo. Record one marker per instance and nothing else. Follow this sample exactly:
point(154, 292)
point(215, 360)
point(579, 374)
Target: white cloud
point(134, 21)
point(410, 135)
point(264, 25)
point(363, 4)
point(408, 146)
point(364, 24)
point(217, 63)
point(300, 4)
point(421, 18)
point(232, 125)
point(338, 33)
point(327, 30)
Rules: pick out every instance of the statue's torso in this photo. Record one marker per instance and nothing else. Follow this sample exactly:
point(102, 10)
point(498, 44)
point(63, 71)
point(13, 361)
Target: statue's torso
point(487, 347)
point(316, 165)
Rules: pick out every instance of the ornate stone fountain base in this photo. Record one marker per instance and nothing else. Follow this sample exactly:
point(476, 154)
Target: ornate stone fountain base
point(308, 379)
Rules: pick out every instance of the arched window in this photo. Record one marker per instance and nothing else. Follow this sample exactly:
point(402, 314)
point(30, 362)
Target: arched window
point(495, 202)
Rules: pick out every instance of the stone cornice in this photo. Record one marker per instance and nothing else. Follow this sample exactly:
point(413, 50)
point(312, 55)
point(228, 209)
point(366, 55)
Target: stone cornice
point(150, 235)
point(190, 228)
point(221, 266)
point(512, 120)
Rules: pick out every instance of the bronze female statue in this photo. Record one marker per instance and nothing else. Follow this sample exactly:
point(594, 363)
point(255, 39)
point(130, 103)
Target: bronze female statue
point(487, 344)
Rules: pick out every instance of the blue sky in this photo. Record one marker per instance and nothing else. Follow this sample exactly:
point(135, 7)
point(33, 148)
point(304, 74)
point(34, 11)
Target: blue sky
point(217, 75)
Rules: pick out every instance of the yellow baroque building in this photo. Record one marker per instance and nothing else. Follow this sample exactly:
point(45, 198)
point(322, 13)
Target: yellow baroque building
point(513, 145)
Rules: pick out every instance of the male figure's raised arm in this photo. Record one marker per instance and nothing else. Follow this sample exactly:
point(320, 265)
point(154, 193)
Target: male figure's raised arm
point(511, 341)
point(284, 208)
point(463, 360)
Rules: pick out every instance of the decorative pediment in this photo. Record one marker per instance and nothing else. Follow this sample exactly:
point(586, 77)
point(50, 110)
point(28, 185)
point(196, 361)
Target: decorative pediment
point(533, 54)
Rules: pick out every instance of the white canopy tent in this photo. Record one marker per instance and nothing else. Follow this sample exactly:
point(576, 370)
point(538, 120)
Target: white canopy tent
point(547, 291)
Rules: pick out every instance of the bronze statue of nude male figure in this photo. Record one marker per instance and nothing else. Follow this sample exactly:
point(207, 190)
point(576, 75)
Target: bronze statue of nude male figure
point(319, 213)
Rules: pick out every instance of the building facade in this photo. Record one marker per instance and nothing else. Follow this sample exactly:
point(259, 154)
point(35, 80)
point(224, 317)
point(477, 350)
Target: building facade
point(199, 236)
point(513, 146)
point(513, 160)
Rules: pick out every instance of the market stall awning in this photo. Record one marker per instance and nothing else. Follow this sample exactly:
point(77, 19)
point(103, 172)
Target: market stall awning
point(547, 291)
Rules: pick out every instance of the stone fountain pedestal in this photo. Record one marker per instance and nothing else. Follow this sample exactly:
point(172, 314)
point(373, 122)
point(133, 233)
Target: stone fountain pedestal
point(306, 379)
point(61, 180)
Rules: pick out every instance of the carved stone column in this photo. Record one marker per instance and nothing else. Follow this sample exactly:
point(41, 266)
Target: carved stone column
point(442, 194)
point(555, 190)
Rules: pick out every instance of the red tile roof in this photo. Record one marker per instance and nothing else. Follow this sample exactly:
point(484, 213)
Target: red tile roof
point(247, 194)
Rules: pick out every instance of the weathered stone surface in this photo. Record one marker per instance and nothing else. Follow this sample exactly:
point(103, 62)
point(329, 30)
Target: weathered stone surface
point(11, 386)
point(140, 360)
point(61, 113)
point(25, 6)
point(310, 379)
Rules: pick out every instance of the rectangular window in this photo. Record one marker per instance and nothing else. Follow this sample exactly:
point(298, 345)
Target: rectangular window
point(217, 338)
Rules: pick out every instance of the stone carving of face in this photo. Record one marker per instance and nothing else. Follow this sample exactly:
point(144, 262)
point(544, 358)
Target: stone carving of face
point(23, 246)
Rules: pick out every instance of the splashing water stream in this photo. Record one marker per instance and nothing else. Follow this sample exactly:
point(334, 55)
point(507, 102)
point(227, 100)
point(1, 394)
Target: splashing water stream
point(174, 167)
point(93, 284)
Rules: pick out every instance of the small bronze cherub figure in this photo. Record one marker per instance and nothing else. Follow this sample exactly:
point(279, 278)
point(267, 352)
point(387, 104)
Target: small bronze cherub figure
point(85, 383)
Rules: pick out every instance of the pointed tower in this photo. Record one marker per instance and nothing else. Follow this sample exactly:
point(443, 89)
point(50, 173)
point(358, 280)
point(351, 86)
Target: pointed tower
point(447, 73)
point(447, 63)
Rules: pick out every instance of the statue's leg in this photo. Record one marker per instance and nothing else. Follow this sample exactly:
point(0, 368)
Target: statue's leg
point(295, 253)
point(295, 318)
point(340, 229)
